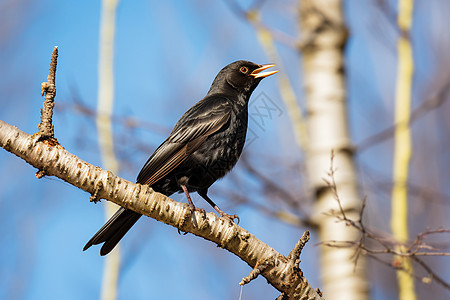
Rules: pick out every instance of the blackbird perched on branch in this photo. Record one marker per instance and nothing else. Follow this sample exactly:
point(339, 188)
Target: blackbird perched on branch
point(204, 145)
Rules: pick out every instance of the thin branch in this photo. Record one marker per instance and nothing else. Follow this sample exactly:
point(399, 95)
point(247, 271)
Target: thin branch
point(256, 271)
point(126, 121)
point(424, 108)
point(49, 90)
point(246, 15)
point(431, 273)
point(332, 185)
point(391, 247)
point(414, 190)
point(295, 253)
point(279, 214)
point(274, 187)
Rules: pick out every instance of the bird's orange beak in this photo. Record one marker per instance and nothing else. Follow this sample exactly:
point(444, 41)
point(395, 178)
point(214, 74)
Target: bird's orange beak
point(257, 73)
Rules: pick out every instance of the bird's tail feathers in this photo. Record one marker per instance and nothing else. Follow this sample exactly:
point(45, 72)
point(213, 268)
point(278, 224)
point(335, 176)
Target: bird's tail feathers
point(113, 230)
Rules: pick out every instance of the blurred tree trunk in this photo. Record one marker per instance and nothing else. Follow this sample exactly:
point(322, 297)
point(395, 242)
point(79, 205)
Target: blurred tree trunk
point(324, 36)
point(403, 149)
point(105, 106)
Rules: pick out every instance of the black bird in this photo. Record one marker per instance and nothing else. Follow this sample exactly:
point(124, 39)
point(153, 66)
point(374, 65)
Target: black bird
point(204, 145)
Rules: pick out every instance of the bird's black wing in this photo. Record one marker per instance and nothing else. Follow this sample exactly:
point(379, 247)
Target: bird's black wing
point(203, 119)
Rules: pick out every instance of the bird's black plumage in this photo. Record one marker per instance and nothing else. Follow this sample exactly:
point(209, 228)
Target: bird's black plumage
point(204, 145)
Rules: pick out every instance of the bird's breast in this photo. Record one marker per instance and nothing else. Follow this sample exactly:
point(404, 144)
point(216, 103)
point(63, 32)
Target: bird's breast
point(220, 151)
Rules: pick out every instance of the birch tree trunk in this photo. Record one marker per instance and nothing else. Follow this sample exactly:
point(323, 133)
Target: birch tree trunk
point(105, 106)
point(324, 37)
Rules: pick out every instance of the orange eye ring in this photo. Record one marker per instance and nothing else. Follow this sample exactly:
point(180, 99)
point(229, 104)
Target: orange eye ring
point(243, 70)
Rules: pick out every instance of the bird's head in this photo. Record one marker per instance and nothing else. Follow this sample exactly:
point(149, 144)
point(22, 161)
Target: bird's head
point(241, 76)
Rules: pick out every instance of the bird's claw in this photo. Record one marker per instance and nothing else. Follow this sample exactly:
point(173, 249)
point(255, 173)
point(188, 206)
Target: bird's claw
point(231, 218)
point(192, 209)
point(200, 210)
point(181, 232)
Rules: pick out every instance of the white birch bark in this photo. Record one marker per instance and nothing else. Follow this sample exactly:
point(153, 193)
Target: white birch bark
point(51, 159)
point(324, 34)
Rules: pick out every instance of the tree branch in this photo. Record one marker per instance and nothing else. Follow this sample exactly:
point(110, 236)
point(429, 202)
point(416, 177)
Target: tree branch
point(56, 161)
point(43, 152)
point(391, 247)
point(49, 90)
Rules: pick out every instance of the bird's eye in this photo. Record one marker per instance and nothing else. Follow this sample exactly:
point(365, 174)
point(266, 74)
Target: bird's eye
point(244, 70)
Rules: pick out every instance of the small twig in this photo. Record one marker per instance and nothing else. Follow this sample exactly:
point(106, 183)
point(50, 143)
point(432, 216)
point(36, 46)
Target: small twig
point(130, 123)
point(272, 186)
point(431, 273)
point(260, 267)
point(249, 16)
point(361, 213)
point(417, 244)
point(295, 253)
point(413, 249)
point(292, 270)
point(49, 89)
point(333, 186)
point(425, 107)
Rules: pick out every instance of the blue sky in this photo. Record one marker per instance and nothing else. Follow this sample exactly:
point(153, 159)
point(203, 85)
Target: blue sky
point(166, 56)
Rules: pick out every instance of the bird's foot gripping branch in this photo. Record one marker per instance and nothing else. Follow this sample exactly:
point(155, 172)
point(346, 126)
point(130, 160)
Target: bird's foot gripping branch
point(143, 198)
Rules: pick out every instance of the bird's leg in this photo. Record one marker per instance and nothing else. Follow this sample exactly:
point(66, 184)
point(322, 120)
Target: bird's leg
point(186, 192)
point(204, 195)
point(190, 203)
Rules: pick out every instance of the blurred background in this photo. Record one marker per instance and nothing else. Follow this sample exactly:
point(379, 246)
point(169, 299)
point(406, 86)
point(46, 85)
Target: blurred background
point(166, 54)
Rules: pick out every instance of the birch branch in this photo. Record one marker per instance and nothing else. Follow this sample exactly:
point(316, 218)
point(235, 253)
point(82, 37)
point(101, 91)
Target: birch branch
point(51, 159)
point(56, 161)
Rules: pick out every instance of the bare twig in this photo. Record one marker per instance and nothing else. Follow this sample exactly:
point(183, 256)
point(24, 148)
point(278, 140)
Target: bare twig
point(78, 105)
point(414, 190)
point(413, 249)
point(295, 253)
point(247, 15)
point(431, 273)
point(258, 269)
point(293, 265)
point(49, 89)
point(272, 186)
point(332, 185)
point(424, 108)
